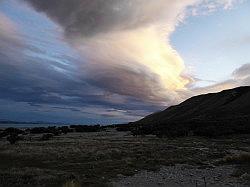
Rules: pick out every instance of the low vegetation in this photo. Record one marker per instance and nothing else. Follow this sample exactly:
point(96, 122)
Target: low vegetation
point(97, 158)
point(243, 158)
point(192, 128)
point(210, 115)
point(13, 138)
point(86, 128)
point(46, 137)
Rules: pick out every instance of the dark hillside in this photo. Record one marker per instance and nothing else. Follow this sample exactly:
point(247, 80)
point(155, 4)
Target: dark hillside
point(220, 113)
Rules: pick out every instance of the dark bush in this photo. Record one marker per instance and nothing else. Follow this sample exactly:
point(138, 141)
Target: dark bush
point(53, 130)
point(142, 130)
point(123, 129)
point(208, 129)
point(86, 128)
point(65, 129)
point(41, 130)
point(13, 138)
point(12, 130)
point(172, 130)
point(46, 137)
point(163, 130)
point(3, 134)
point(38, 130)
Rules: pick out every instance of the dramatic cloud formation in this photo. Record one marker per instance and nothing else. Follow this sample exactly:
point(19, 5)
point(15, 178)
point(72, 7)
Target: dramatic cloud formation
point(126, 43)
point(126, 66)
point(91, 17)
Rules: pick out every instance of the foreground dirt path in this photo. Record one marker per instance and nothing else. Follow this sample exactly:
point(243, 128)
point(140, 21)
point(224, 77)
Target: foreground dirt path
point(182, 176)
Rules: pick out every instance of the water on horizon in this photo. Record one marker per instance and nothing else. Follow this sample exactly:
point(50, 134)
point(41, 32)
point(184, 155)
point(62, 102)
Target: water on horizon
point(26, 125)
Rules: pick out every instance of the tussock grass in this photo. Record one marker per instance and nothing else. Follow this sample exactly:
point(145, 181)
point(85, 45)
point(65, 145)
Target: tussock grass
point(96, 158)
point(243, 158)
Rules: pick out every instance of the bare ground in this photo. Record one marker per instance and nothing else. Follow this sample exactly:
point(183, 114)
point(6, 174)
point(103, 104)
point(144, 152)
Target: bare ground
point(183, 176)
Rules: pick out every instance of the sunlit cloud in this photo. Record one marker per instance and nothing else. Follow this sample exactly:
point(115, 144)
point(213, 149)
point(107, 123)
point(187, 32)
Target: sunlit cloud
point(125, 65)
point(7, 26)
point(125, 44)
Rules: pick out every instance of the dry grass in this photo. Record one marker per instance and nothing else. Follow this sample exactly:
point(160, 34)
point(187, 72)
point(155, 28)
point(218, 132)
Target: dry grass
point(243, 158)
point(97, 158)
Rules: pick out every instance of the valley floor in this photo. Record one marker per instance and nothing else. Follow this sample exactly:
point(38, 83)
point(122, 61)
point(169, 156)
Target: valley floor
point(111, 158)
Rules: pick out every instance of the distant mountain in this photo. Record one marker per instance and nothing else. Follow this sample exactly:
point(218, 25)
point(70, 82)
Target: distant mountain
point(226, 112)
point(12, 122)
point(24, 122)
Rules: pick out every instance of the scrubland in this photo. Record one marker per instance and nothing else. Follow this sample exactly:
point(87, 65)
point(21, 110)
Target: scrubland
point(107, 157)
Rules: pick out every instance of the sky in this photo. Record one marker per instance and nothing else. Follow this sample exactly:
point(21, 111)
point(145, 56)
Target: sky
point(115, 61)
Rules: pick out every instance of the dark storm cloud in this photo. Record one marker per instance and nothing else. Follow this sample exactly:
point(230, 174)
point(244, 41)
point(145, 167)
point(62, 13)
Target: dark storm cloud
point(31, 76)
point(41, 85)
point(128, 82)
point(90, 17)
point(52, 92)
point(34, 81)
point(113, 34)
point(116, 75)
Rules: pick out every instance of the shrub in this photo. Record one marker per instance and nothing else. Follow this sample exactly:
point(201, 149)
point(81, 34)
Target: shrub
point(53, 130)
point(142, 130)
point(42, 130)
point(13, 138)
point(38, 130)
point(3, 134)
point(124, 128)
point(194, 127)
point(65, 129)
point(86, 128)
point(12, 130)
point(46, 137)
point(237, 159)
